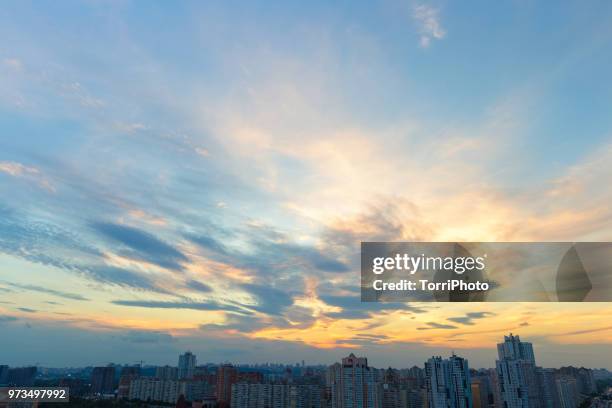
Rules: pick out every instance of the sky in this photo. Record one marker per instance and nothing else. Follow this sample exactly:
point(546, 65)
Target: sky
point(199, 175)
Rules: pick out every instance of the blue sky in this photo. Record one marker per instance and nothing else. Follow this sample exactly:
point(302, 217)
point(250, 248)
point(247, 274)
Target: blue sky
point(187, 173)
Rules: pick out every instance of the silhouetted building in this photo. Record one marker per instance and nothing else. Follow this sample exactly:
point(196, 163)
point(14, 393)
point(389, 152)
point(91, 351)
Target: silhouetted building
point(102, 380)
point(21, 377)
point(4, 370)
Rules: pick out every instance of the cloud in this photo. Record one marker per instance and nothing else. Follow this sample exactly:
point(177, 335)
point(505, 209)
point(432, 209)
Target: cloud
point(272, 252)
point(269, 299)
point(35, 288)
point(429, 24)
point(600, 329)
point(204, 306)
point(198, 286)
point(27, 310)
point(434, 325)
point(121, 277)
point(469, 318)
point(142, 245)
point(28, 173)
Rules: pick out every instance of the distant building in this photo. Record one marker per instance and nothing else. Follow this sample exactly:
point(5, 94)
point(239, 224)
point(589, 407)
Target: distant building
point(246, 395)
point(199, 390)
point(516, 370)
point(549, 395)
point(103, 380)
point(186, 365)
point(78, 387)
point(251, 377)
point(128, 374)
point(567, 389)
point(480, 397)
point(21, 377)
point(585, 379)
point(448, 382)
point(166, 373)
point(4, 370)
point(227, 375)
point(413, 397)
point(352, 384)
point(156, 390)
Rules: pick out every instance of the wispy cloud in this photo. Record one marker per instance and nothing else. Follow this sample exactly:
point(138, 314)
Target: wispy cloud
point(26, 172)
point(469, 318)
point(429, 25)
point(41, 289)
point(142, 245)
point(193, 305)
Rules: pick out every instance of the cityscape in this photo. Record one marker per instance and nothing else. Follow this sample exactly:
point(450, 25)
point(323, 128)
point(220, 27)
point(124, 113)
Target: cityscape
point(441, 382)
point(189, 190)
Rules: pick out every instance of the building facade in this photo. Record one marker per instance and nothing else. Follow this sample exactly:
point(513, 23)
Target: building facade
point(352, 384)
point(448, 382)
point(517, 376)
point(186, 365)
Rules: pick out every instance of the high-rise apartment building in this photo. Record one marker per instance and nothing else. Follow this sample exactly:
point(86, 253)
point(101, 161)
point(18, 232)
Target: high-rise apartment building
point(549, 396)
point(567, 390)
point(227, 375)
point(166, 372)
point(156, 390)
point(352, 384)
point(448, 382)
point(516, 371)
point(128, 374)
point(186, 365)
point(246, 395)
point(103, 380)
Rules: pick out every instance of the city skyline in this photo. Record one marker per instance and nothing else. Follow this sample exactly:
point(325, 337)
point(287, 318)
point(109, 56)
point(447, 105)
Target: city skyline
point(206, 187)
point(188, 361)
point(517, 381)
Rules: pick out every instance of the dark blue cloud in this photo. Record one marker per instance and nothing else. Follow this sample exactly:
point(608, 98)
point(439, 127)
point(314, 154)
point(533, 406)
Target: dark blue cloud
point(205, 306)
point(41, 241)
point(35, 288)
point(208, 243)
point(142, 245)
point(434, 325)
point(269, 300)
point(122, 277)
point(469, 318)
point(198, 286)
point(271, 256)
point(27, 310)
